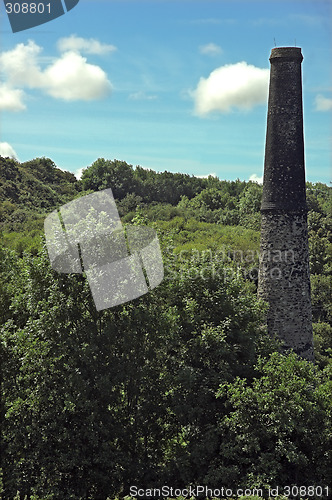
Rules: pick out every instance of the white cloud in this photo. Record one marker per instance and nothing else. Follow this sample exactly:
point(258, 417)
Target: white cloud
point(213, 174)
point(69, 77)
point(11, 99)
point(87, 45)
point(310, 20)
point(20, 64)
point(211, 49)
point(78, 173)
point(256, 178)
point(142, 96)
point(323, 103)
point(7, 150)
point(239, 85)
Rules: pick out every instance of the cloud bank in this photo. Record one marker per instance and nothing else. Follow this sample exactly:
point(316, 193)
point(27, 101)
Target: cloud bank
point(211, 49)
point(89, 46)
point(7, 150)
point(241, 85)
point(78, 173)
point(213, 174)
point(11, 99)
point(323, 103)
point(256, 178)
point(142, 96)
point(69, 77)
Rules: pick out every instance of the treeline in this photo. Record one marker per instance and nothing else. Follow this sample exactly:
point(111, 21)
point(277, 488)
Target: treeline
point(30, 190)
point(165, 195)
point(36, 186)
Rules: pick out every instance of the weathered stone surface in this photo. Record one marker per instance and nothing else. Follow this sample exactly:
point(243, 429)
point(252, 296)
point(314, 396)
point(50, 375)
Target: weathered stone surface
point(284, 177)
point(284, 280)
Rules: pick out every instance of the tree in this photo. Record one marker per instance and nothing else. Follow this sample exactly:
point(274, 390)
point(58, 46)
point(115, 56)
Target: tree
point(276, 431)
point(103, 174)
point(217, 339)
point(249, 205)
point(93, 402)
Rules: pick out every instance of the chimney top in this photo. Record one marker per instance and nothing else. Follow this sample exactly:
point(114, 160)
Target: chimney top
point(286, 54)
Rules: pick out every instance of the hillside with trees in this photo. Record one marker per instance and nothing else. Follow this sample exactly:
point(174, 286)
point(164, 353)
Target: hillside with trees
point(181, 386)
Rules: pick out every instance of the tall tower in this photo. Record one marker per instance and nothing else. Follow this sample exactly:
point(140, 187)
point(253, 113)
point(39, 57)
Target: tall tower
point(284, 280)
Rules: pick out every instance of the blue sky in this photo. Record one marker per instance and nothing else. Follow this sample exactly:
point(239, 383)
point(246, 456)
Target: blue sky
point(170, 85)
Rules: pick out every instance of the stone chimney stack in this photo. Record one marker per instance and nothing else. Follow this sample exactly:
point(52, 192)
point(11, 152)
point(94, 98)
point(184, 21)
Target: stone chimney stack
point(284, 280)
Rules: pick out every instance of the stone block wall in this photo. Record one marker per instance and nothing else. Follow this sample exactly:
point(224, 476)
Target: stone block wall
point(284, 280)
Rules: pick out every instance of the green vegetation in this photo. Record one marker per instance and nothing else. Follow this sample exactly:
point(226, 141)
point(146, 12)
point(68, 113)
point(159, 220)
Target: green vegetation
point(181, 386)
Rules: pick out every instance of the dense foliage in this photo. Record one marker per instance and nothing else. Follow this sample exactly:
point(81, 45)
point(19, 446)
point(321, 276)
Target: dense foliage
point(29, 190)
point(181, 386)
